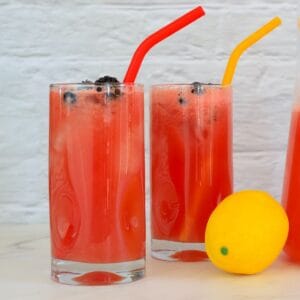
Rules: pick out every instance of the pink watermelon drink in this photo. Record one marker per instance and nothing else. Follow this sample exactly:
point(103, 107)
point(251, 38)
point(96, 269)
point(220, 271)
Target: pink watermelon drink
point(191, 165)
point(291, 192)
point(291, 189)
point(96, 182)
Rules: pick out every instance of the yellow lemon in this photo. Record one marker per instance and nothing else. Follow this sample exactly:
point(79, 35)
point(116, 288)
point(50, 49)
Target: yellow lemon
point(246, 232)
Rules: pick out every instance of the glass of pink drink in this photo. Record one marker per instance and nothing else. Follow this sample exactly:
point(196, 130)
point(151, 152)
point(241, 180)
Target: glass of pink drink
point(191, 165)
point(96, 183)
point(291, 187)
point(291, 191)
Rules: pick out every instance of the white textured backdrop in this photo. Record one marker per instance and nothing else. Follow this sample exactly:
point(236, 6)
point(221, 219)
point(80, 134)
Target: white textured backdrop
point(71, 40)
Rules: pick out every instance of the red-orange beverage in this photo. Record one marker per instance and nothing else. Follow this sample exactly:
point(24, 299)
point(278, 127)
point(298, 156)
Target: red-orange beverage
point(96, 183)
point(291, 191)
point(191, 165)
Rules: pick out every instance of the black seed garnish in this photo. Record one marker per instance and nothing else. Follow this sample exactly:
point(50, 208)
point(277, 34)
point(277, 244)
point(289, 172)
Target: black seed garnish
point(197, 88)
point(87, 81)
point(182, 101)
point(106, 79)
point(69, 97)
point(112, 86)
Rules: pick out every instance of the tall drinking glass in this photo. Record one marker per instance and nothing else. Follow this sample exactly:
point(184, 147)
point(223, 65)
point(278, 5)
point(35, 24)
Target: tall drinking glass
point(291, 190)
point(96, 183)
point(191, 165)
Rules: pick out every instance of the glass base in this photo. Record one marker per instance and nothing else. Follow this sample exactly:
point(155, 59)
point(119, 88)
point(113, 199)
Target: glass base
point(79, 273)
point(178, 251)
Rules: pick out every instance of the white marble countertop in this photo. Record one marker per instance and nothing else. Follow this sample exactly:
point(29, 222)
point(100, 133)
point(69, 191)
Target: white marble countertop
point(25, 268)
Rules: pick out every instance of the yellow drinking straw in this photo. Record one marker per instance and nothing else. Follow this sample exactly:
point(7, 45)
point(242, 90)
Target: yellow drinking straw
point(244, 45)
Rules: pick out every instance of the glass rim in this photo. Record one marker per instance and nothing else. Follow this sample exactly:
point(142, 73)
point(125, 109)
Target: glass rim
point(121, 84)
point(212, 85)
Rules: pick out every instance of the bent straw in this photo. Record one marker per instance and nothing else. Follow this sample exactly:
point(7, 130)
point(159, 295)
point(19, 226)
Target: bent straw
point(187, 229)
point(244, 45)
point(157, 37)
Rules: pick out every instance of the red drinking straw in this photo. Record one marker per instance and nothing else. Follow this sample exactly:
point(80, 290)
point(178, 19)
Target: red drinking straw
point(158, 36)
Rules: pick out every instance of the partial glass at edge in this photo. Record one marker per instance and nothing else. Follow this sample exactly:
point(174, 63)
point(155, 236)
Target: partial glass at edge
point(191, 165)
point(96, 183)
point(291, 187)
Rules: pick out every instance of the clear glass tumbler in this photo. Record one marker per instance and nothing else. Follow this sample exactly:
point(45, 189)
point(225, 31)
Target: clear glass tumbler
point(291, 189)
point(191, 165)
point(96, 183)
